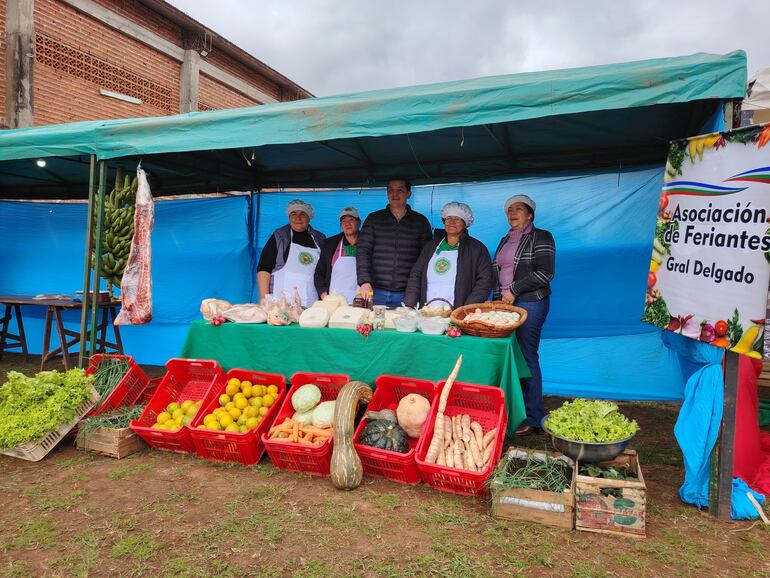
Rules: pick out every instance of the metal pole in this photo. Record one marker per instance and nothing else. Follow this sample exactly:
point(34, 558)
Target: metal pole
point(87, 267)
point(98, 261)
point(722, 457)
point(727, 438)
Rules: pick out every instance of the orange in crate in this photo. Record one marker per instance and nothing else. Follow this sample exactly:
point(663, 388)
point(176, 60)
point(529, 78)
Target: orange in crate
point(244, 447)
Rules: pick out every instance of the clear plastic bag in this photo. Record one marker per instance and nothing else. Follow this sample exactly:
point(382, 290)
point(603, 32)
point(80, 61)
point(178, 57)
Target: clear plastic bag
point(246, 313)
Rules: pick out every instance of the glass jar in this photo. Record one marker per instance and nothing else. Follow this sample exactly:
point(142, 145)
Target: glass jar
point(378, 322)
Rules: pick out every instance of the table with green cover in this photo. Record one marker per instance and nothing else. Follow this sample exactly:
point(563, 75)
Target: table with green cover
point(286, 350)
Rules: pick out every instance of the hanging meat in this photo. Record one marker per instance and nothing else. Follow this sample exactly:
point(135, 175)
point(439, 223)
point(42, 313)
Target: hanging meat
point(136, 285)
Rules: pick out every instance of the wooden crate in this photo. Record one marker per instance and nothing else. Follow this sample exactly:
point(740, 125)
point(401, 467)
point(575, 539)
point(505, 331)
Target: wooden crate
point(549, 508)
point(117, 443)
point(596, 511)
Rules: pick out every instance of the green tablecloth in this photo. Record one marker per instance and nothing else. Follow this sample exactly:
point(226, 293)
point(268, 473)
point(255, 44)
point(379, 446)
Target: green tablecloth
point(286, 350)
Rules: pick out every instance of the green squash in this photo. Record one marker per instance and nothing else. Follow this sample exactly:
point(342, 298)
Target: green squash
point(345, 469)
point(385, 435)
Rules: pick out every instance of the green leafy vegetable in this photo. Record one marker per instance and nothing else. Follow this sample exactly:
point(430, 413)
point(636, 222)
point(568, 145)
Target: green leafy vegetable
point(657, 314)
point(734, 329)
point(590, 421)
point(32, 407)
point(660, 230)
point(676, 156)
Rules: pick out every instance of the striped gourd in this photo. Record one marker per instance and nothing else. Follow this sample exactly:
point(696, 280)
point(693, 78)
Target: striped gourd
point(346, 469)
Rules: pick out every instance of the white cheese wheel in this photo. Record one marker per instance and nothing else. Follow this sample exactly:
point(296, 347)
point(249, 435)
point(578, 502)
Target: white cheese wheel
point(314, 317)
point(347, 317)
point(330, 306)
point(336, 298)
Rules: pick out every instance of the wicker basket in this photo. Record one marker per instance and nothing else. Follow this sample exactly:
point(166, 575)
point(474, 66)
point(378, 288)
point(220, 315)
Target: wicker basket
point(482, 329)
point(436, 312)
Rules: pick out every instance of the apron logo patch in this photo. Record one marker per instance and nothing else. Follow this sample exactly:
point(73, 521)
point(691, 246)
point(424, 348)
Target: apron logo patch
point(441, 266)
point(305, 258)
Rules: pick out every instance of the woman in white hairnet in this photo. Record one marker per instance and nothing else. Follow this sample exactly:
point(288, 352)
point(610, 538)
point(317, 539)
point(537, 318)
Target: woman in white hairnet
point(523, 269)
point(290, 256)
point(455, 266)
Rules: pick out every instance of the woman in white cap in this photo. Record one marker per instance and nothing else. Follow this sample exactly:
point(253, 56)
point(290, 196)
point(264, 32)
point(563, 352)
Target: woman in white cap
point(290, 256)
point(455, 266)
point(336, 271)
point(524, 266)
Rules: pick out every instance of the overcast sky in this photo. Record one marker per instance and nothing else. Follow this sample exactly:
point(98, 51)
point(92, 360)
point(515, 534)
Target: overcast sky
point(338, 46)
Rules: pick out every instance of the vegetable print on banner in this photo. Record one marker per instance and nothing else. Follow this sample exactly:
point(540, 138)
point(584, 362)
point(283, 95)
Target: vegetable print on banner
point(710, 265)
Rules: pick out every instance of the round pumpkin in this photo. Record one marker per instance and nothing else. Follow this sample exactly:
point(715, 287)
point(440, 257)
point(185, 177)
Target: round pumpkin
point(412, 412)
point(385, 435)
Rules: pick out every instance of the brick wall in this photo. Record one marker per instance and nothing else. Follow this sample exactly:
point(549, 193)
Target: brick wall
point(214, 96)
point(235, 68)
point(76, 56)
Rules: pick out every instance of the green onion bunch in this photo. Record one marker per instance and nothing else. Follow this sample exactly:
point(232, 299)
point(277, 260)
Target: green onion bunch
point(532, 473)
point(108, 375)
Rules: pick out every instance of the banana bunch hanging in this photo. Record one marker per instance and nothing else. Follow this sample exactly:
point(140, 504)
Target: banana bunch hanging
point(119, 209)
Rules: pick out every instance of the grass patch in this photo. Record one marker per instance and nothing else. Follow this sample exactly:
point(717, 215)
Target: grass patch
point(54, 504)
point(124, 471)
point(36, 533)
point(184, 567)
point(17, 569)
point(72, 462)
point(387, 501)
point(314, 569)
point(139, 547)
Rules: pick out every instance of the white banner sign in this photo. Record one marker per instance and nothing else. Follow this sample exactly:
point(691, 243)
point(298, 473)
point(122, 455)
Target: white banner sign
point(710, 263)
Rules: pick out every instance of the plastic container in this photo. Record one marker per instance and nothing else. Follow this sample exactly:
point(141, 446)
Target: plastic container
point(298, 457)
point(485, 405)
point(127, 392)
point(405, 324)
point(184, 379)
point(433, 325)
point(402, 468)
point(244, 448)
point(34, 452)
point(149, 391)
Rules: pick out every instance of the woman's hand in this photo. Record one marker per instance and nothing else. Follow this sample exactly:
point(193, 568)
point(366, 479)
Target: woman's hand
point(508, 297)
point(323, 295)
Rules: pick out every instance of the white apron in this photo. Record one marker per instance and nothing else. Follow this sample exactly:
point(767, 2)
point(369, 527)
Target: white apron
point(298, 272)
point(344, 279)
point(442, 272)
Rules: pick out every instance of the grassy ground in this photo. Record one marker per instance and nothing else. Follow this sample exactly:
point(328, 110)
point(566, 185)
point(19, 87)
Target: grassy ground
point(161, 514)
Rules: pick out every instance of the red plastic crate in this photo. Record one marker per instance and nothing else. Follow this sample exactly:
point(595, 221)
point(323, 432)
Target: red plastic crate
point(484, 404)
point(402, 468)
point(244, 448)
point(149, 391)
point(184, 379)
point(299, 457)
point(127, 392)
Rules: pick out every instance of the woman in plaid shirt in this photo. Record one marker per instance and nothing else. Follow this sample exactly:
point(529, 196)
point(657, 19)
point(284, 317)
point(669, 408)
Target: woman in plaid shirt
point(524, 264)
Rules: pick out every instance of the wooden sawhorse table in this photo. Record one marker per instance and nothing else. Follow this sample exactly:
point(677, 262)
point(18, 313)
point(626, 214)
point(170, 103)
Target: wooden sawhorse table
point(53, 318)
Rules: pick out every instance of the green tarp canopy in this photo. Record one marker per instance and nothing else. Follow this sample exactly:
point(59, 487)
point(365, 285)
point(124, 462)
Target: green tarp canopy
point(620, 114)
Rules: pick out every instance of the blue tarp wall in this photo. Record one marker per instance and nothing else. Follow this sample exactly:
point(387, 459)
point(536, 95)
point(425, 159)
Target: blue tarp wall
point(594, 344)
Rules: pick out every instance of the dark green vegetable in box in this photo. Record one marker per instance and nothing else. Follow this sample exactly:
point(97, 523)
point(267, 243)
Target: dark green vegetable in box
point(385, 435)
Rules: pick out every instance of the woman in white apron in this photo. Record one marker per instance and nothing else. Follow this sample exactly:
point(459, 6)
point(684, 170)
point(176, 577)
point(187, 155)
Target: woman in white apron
point(290, 256)
point(336, 271)
point(454, 266)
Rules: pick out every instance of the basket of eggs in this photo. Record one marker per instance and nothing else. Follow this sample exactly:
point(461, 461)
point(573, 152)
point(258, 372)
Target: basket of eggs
point(490, 319)
point(437, 307)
